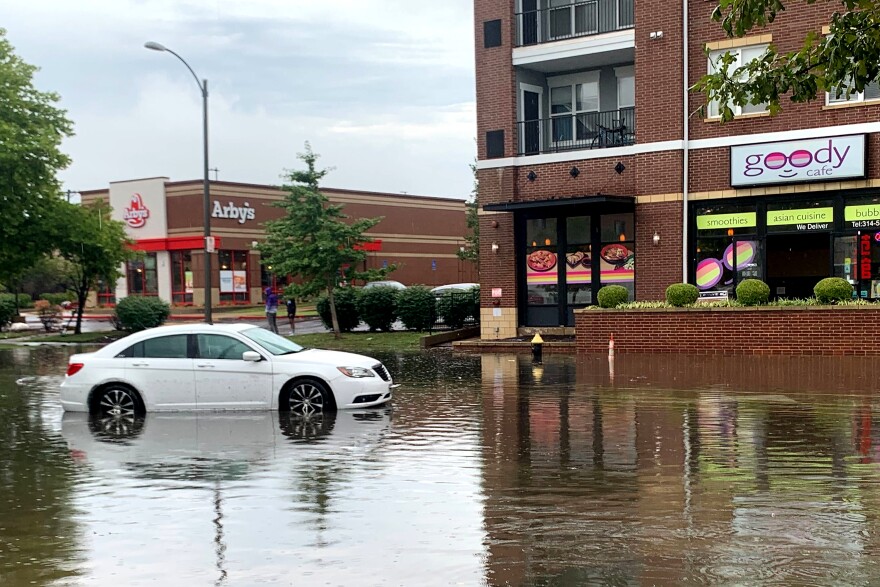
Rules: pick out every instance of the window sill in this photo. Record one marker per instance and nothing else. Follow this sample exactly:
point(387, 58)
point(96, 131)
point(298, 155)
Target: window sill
point(739, 117)
point(851, 104)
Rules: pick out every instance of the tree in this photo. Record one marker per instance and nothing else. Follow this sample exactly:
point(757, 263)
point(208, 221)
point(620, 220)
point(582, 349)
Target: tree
point(315, 242)
point(471, 250)
point(31, 131)
point(93, 246)
point(843, 61)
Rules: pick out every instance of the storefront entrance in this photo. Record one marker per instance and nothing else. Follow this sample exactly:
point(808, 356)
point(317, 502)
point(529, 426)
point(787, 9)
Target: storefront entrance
point(796, 262)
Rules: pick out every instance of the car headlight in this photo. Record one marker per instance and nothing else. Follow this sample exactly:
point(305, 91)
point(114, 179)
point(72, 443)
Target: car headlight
point(356, 372)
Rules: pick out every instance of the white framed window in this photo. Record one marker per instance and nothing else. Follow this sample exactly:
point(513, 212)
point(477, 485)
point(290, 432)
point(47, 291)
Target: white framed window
point(573, 99)
point(742, 56)
point(839, 96)
point(626, 86)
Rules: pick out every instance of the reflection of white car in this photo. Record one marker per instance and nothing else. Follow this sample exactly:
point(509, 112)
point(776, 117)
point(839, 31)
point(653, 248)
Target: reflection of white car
point(208, 441)
point(219, 367)
point(454, 287)
point(389, 283)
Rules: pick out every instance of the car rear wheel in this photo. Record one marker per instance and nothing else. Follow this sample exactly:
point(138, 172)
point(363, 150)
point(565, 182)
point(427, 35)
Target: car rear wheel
point(308, 397)
point(119, 401)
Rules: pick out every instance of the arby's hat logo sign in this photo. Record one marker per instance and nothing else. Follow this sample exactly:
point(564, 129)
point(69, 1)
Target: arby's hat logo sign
point(825, 159)
point(136, 214)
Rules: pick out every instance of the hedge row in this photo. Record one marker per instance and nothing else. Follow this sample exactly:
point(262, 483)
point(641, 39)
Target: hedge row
point(416, 307)
point(749, 292)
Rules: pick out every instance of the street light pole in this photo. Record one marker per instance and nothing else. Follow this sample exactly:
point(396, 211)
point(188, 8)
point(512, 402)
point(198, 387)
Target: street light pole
point(206, 187)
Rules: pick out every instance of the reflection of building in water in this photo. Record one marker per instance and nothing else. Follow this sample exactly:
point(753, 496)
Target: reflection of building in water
point(664, 476)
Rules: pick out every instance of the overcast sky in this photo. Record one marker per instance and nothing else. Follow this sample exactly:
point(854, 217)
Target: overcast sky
point(383, 89)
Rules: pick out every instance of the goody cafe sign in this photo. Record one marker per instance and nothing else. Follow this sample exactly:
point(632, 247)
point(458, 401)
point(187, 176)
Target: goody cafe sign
point(240, 213)
point(828, 159)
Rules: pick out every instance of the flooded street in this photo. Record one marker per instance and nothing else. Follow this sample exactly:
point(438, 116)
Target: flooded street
point(485, 471)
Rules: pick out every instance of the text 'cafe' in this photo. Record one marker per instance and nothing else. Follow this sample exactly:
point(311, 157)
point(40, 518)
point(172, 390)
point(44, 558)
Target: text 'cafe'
point(798, 236)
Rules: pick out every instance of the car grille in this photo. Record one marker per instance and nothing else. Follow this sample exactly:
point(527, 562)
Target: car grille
point(381, 371)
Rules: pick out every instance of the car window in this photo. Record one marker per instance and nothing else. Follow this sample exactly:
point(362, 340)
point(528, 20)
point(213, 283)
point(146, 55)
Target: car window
point(164, 347)
point(217, 346)
point(277, 345)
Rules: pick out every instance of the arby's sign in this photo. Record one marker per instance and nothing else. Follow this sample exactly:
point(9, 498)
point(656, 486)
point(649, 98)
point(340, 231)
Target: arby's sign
point(137, 213)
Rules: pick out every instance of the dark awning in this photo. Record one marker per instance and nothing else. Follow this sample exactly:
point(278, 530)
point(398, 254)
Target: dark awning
point(621, 201)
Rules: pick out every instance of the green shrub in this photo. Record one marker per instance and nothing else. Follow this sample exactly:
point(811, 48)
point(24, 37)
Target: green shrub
point(455, 307)
point(56, 298)
point(135, 313)
point(377, 307)
point(611, 296)
point(833, 290)
point(752, 292)
point(682, 294)
point(417, 308)
point(7, 312)
point(24, 300)
point(346, 299)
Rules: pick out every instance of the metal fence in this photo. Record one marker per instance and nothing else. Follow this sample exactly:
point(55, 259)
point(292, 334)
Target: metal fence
point(586, 130)
point(460, 307)
point(579, 19)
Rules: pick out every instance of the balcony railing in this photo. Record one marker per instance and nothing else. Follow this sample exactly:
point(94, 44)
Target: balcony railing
point(580, 19)
point(586, 130)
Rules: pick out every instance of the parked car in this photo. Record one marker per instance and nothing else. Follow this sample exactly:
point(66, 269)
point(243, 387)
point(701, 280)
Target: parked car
point(454, 287)
point(388, 283)
point(219, 367)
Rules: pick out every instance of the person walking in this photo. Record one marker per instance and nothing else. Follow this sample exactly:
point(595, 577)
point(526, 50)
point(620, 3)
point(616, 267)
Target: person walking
point(272, 309)
point(291, 313)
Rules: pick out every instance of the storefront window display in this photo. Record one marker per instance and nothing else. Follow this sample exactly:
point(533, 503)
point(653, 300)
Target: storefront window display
point(617, 251)
point(727, 250)
point(181, 277)
point(233, 276)
point(542, 267)
point(578, 261)
point(142, 276)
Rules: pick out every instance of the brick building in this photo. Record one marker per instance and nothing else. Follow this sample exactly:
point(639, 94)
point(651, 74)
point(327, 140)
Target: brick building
point(422, 235)
point(596, 165)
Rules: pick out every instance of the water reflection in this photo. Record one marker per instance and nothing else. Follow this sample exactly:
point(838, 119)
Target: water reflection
point(486, 470)
point(649, 470)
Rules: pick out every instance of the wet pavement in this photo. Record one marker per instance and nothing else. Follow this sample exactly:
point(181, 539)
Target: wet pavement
point(486, 471)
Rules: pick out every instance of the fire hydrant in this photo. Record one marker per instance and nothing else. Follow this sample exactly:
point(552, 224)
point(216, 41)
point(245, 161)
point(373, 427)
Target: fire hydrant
point(537, 348)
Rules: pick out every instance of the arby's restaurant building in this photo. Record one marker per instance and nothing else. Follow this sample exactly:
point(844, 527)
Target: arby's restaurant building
point(420, 234)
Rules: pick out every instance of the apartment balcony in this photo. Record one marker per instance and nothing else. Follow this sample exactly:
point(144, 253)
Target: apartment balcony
point(584, 130)
point(573, 35)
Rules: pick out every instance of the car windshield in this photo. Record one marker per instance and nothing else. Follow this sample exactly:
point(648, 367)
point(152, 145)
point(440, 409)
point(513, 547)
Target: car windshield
point(277, 345)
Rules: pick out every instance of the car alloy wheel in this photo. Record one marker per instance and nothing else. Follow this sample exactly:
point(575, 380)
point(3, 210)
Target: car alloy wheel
point(117, 402)
point(307, 399)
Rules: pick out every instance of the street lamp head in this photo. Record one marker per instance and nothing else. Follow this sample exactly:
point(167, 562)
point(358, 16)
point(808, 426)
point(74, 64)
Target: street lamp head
point(155, 46)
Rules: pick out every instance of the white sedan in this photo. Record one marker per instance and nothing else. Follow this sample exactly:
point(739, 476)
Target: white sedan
point(219, 367)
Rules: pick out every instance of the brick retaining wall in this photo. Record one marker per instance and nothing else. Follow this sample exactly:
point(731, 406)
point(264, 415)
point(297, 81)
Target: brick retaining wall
point(732, 331)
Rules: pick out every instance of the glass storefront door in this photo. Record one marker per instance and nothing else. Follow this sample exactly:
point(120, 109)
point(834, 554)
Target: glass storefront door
point(567, 258)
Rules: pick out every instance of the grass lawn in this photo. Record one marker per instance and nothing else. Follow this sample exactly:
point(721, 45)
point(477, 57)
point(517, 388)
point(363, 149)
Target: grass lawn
point(11, 335)
point(362, 342)
point(85, 337)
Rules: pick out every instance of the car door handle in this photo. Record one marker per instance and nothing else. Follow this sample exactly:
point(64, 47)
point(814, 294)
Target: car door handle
point(140, 364)
point(204, 366)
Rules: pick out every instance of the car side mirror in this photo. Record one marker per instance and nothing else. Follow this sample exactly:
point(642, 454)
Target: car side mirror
point(252, 356)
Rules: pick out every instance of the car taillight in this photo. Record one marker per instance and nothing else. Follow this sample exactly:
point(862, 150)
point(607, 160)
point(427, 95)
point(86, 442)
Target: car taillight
point(74, 368)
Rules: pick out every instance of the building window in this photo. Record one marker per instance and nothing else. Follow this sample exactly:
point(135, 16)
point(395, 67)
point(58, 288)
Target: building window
point(574, 108)
point(617, 257)
point(142, 276)
point(841, 95)
point(542, 269)
point(233, 277)
point(181, 277)
point(106, 291)
point(742, 56)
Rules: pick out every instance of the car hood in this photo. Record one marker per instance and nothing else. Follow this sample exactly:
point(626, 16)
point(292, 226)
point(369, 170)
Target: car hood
point(331, 358)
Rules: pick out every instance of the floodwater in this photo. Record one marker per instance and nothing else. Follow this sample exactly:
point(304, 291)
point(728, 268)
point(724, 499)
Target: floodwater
point(487, 470)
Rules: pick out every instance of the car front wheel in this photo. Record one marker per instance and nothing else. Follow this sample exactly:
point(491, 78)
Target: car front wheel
point(307, 397)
